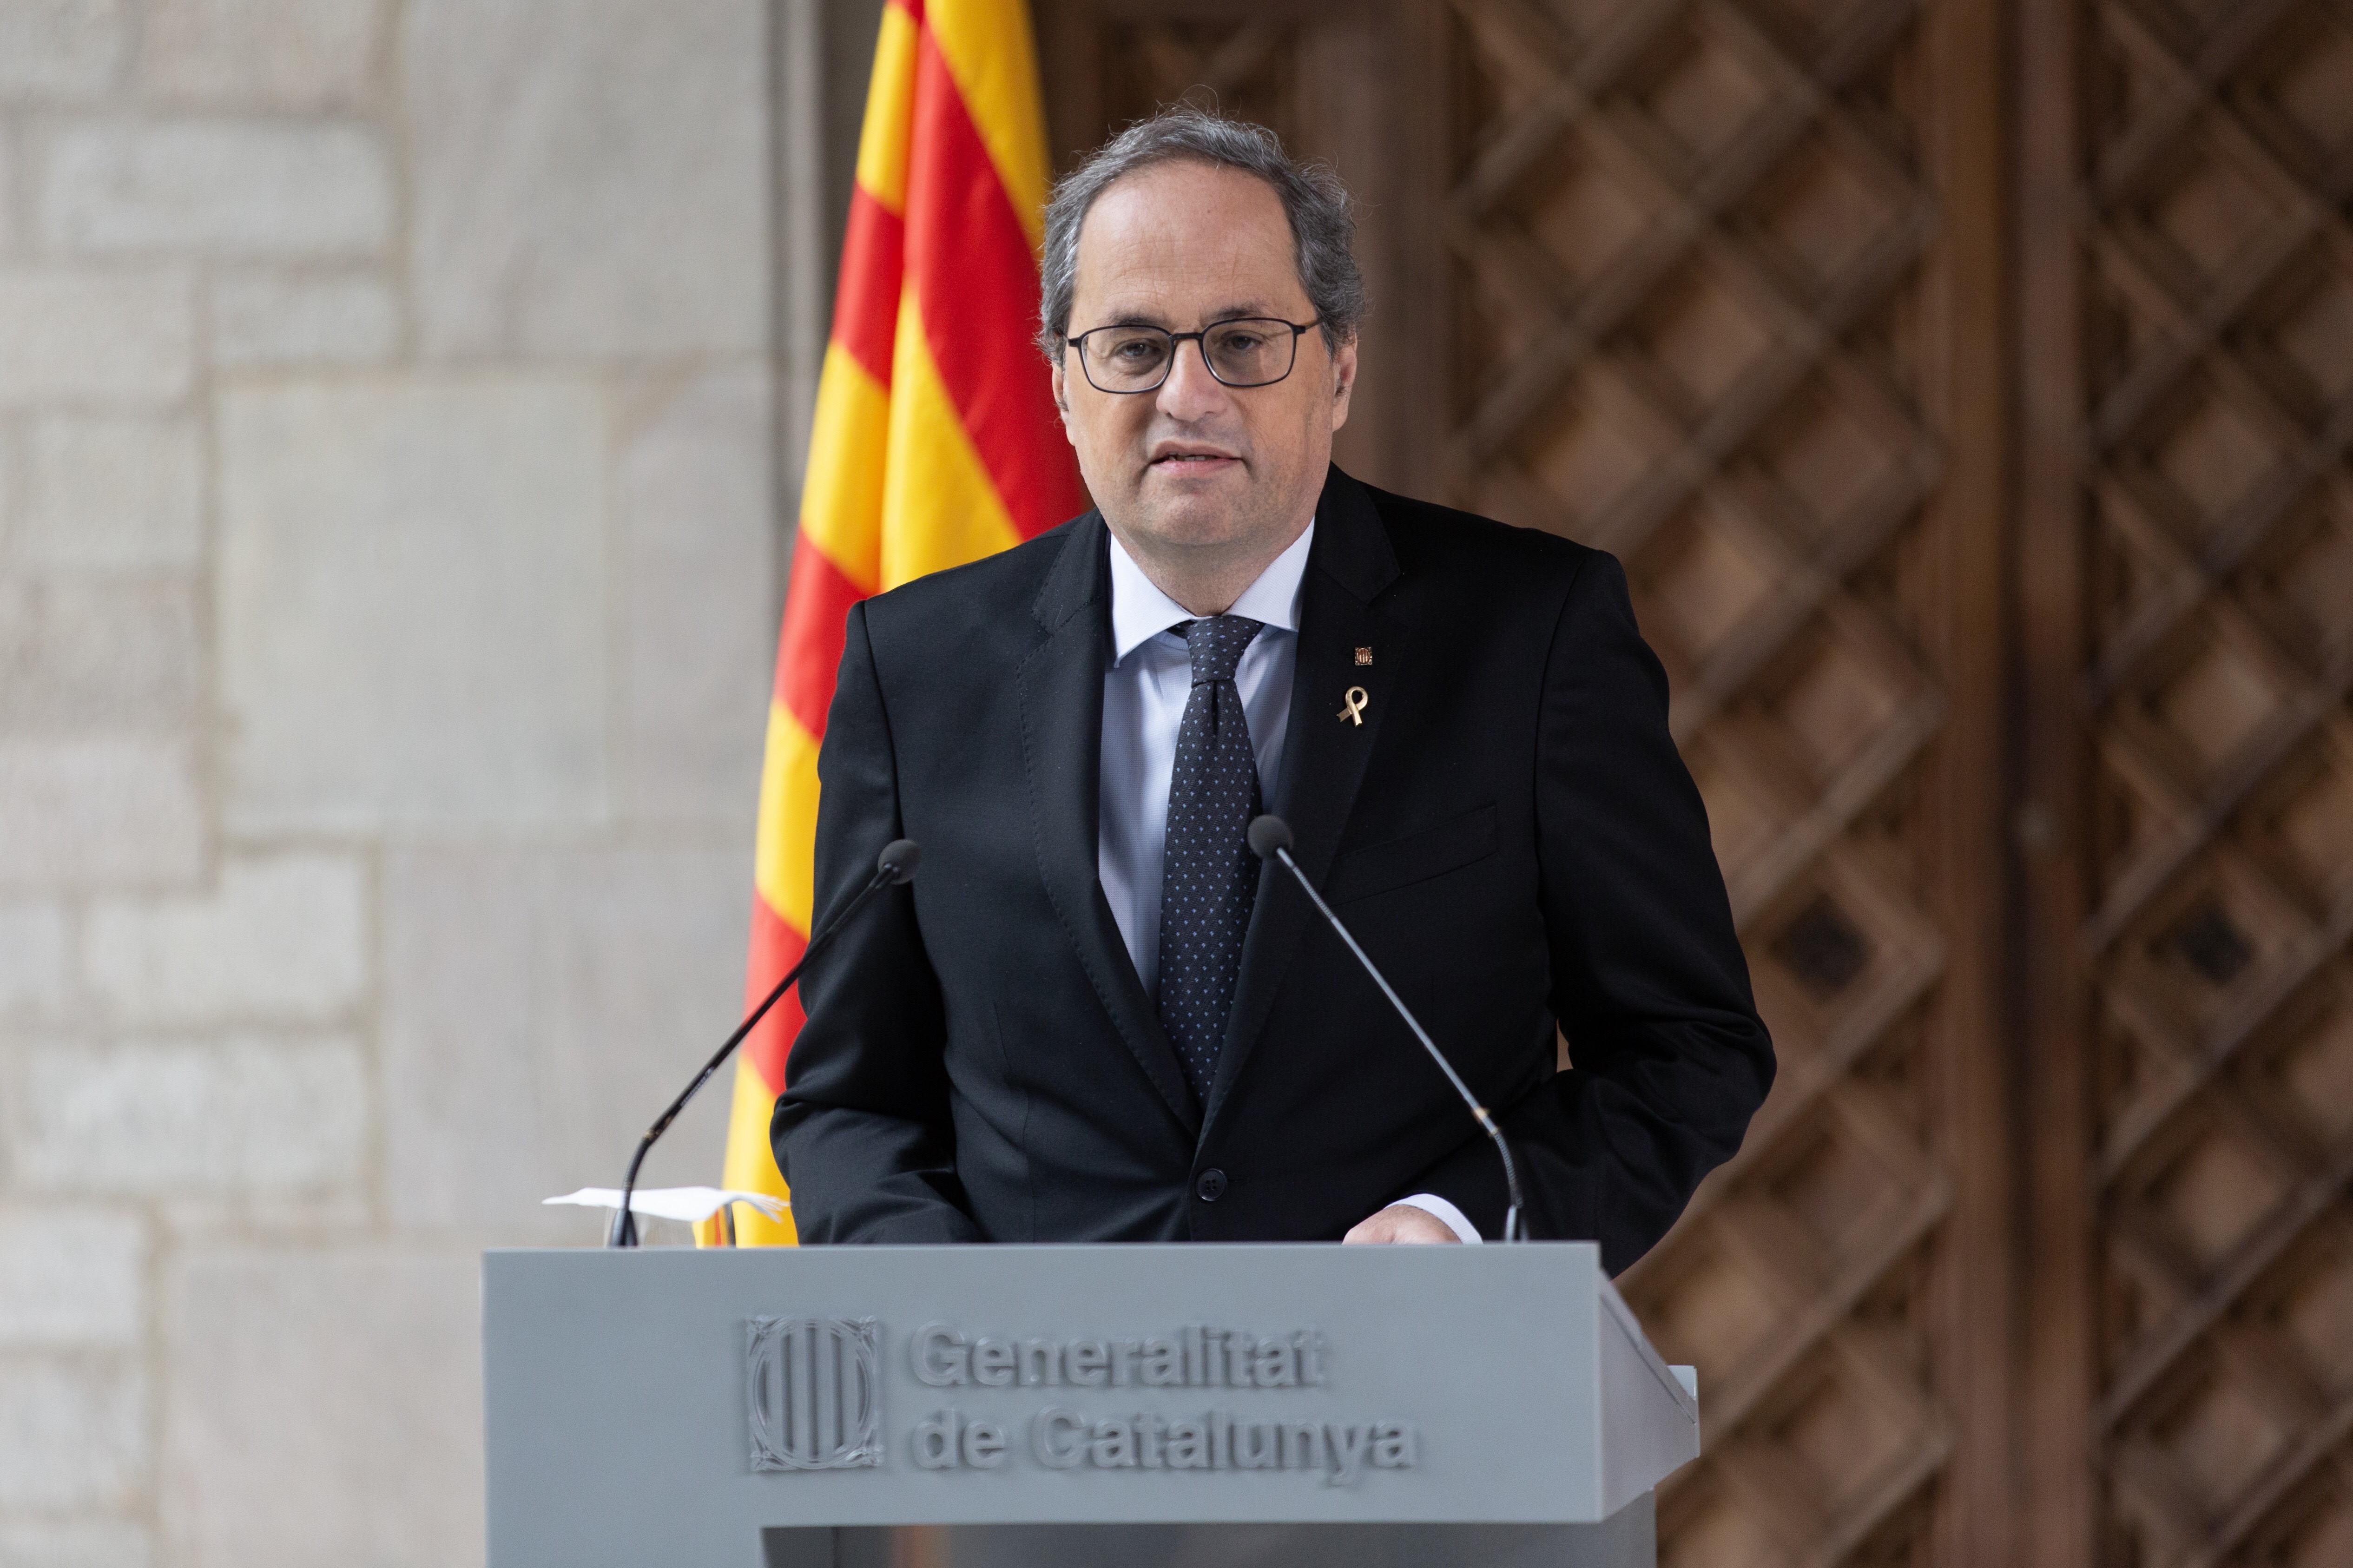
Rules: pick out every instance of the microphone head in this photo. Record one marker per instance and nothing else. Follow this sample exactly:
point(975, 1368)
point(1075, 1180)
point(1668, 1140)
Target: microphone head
point(899, 859)
point(1267, 835)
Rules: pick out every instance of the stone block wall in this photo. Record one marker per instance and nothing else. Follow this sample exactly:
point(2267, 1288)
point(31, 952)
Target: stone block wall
point(389, 557)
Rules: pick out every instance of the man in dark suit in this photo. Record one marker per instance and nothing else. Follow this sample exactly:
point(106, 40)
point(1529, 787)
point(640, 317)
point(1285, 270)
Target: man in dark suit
point(1091, 1018)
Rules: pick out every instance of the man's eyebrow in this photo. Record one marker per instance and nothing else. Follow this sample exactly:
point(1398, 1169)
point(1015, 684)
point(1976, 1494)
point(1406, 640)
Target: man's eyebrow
point(1226, 312)
point(1134, 319)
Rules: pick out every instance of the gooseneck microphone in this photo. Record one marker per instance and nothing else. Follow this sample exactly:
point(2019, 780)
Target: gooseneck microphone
point(896, 866)
point(1270, 839)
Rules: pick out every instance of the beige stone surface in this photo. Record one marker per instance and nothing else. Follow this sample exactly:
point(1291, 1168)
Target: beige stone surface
point(72, 1434)
point(103, 336)
point(244, 1114)
point(100, 812)
point(696, 503)
point(278, 937)
point(288, 54)
point(108, 650)
point(539, 1010)
point(590, 175)
point(412, 602)
point(72, 1277)
point(59, 49)
point(81, 1543)
point(234, 187)
point(112, 492)
point(388, 581)
point(34, 955)
point(322, 1407)
point(274, 318)
point(7, 190)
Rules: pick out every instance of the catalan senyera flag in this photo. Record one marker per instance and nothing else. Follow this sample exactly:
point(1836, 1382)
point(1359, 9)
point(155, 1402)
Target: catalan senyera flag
point(935, 440)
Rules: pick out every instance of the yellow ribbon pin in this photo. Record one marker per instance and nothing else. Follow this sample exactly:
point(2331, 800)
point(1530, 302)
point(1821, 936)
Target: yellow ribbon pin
point(1354, 710)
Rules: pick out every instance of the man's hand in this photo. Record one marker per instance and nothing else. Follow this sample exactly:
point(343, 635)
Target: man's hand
point(1402, 1223)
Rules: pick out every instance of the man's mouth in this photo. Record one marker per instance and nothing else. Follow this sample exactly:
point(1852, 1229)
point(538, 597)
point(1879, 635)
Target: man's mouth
point(1192, 460)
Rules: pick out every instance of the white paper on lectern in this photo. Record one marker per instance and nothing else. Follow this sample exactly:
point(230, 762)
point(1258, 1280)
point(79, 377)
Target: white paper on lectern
point(692, 1203)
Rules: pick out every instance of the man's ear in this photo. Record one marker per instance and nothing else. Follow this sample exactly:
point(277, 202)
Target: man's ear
point(1062, 404)
point(1343, 379)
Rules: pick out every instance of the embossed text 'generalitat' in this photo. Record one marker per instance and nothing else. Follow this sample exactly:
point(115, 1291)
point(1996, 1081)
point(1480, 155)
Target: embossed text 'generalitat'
point(1193, 1357)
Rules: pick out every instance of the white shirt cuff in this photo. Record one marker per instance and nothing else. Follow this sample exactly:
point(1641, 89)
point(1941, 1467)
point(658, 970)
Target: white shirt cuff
point(1455, 1220)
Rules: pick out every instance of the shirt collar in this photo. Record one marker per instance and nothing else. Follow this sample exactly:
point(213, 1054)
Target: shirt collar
point(1140, 611)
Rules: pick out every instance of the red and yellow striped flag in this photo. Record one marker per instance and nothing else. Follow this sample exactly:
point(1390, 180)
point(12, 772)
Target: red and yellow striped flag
point(934, 443)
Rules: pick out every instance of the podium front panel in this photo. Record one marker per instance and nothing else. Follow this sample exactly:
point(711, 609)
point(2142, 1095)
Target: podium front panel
point(669, 1405)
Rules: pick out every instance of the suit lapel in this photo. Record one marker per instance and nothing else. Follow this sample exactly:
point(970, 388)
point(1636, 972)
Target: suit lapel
point(1062, 746)
point(1348, 567)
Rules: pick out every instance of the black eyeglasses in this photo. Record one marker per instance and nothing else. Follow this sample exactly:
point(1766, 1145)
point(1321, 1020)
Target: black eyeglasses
point(1247, 351)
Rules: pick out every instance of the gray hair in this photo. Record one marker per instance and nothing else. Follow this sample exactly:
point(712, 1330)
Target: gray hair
point(1322, 218)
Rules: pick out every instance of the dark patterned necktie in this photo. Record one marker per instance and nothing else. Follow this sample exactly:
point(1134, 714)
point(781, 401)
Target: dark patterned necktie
point(1208, 876)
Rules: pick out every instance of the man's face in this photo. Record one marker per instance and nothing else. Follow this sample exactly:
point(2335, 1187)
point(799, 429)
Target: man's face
point(1198, 465)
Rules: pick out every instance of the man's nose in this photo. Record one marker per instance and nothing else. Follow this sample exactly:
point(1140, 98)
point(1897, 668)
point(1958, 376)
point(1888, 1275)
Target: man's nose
point(1190, 390)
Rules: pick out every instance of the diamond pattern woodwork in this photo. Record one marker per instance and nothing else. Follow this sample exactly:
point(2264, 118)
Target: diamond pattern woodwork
point(1684, 245)
point(1674, 278)
point(1689, 241)
point(2219, 379)
point(1247, 69)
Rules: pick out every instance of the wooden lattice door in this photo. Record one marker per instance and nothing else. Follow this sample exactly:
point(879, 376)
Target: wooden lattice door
point(1968, 388)
point(1713, 313)
point(1676, 279)
point(2189, 553)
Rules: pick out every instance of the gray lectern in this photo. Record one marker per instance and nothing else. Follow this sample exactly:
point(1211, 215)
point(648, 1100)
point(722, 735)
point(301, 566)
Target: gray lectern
point(1038, 1405)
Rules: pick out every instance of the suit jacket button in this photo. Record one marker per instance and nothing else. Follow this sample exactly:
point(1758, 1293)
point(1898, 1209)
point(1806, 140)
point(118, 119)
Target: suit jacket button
point(1212, 1186)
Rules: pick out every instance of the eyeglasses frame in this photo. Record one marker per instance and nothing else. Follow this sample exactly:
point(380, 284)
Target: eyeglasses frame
point(1176, 341)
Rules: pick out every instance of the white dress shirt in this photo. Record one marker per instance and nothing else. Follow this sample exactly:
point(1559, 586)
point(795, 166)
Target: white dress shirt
point(1144, 691)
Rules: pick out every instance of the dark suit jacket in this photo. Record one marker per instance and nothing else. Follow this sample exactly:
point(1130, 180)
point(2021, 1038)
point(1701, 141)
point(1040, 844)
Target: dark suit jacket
point(1509, 832)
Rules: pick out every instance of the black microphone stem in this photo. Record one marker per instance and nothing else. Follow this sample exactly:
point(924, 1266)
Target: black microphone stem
point(1511, 1226)
point(625, 1225)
